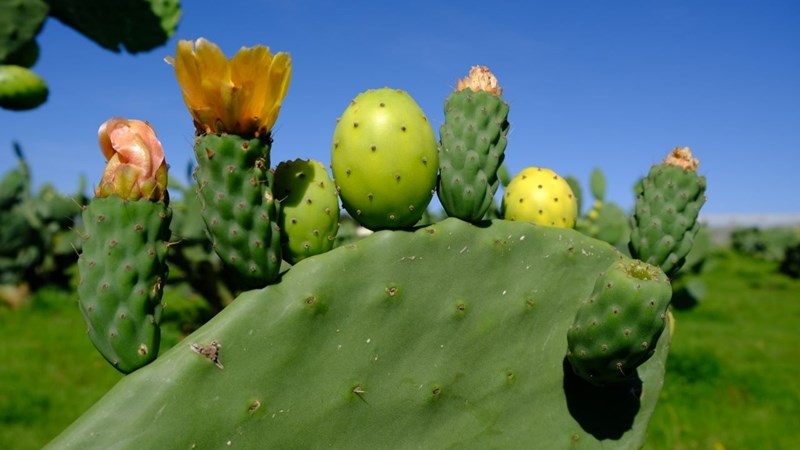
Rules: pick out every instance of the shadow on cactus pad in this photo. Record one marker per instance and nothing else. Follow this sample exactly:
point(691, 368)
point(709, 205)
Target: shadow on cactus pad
point(605, 412)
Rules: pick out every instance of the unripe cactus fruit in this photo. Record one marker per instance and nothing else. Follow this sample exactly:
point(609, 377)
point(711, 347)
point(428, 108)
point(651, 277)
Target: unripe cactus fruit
point(234, 186)
point(540, 196)
point(309, 209)
point(668, 202)
point(123, 269)
point(473, 142)
point(384, 159)
point(616, 329)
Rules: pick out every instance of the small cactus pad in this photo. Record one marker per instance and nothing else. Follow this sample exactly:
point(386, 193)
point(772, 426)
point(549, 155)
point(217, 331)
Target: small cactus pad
point(363, 347)
point(540, 196)
point(473, 142)
point(618, 325)
point(235, 190)
point(309, 209)
point(668, 201)
point(122, 273)
point(384, 159)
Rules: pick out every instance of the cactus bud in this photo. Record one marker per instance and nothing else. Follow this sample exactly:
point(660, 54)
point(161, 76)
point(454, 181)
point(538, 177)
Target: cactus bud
point(135, 166)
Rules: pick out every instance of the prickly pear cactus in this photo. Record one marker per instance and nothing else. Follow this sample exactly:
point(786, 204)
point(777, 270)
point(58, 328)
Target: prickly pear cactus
point(617, 327)
point(540, 196)
point(384, 159)
point(473, 142)
point(361, 347)
point(668, 201)
point(309, 209)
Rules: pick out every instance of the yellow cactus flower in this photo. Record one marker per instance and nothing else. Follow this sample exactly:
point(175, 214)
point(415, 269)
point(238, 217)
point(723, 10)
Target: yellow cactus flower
point(241, 95)
point(135, 167)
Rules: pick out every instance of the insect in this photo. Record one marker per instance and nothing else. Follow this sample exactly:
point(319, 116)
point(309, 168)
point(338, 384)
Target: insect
point(210, 351)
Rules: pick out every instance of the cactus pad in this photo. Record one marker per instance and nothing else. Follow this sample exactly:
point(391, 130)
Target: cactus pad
point(362, 347)
point(122, 273)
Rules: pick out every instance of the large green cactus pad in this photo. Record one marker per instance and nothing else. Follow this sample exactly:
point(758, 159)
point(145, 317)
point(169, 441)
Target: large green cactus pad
point(136, 25)
point(450, 336)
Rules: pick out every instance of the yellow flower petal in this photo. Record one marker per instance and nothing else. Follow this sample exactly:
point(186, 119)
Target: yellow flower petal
point(241, 95)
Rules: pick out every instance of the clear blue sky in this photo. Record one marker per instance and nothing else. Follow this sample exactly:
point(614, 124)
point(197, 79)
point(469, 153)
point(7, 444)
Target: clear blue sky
point(608, 84)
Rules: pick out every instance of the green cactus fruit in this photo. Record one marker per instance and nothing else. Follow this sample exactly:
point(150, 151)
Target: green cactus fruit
point(384, 159)
point(668, 202)
point(362, 348)
point(473, 142)
point(122, 272)
point(20, 88)
point(309, 209)
point(234, 185)
point(540, 196)
point(616, 329)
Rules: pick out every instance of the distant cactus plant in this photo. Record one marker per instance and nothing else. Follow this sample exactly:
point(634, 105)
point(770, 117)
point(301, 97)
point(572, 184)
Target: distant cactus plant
point(38, 241)
point(790, 265)
point(605, 220)
point(491, 335)
point(123, 264)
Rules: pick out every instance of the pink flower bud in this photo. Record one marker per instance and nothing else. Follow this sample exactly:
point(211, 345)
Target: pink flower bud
point(135, 166)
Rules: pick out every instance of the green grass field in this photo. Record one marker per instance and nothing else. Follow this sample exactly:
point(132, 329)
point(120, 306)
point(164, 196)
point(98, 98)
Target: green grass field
point(732, 375)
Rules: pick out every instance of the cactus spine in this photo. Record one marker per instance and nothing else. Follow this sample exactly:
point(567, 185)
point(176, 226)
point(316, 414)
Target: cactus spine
point(668, 201)
point(234, 106)
point(473, 140)
point(123, 264)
